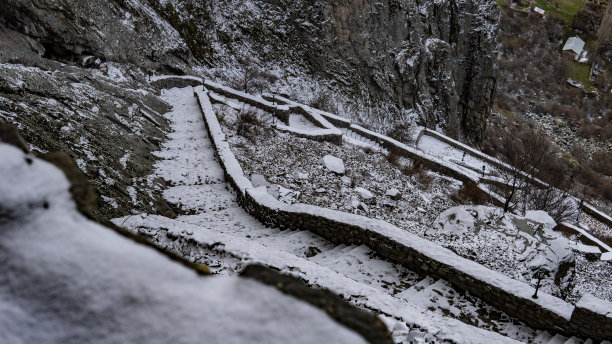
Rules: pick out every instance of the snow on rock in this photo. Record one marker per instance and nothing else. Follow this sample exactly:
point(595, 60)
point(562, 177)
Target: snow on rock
point(67, 279)
point(394, 194)
point(541, 217)
point(456, 220)
point(364, 193)
point(556, 253)
point(334, 164)
point(587, 248)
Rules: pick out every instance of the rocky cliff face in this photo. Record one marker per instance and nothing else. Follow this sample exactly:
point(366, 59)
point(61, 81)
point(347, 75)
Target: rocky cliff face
point(434, 57)
point(88, 32)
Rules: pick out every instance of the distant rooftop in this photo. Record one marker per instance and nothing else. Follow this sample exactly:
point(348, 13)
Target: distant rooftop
point(574, 44)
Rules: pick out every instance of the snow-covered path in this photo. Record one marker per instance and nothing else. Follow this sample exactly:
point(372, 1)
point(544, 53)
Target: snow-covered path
point(215, 230)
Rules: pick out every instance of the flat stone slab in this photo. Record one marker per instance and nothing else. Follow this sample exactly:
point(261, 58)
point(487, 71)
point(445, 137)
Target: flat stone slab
point(258, 180)
point(334, 164)
point(364, 193)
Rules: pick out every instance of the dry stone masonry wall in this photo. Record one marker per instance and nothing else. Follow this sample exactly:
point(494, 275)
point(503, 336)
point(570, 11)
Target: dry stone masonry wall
point(513, 297)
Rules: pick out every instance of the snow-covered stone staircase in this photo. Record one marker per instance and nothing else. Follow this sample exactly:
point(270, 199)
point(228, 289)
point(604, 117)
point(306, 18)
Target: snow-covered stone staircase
point(217, 231)
point(356, 139)
point(547, 338)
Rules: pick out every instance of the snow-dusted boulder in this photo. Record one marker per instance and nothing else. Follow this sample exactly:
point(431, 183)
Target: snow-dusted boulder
point(334, 164)
point(394, 194)
point(557, 252)
point(364, 193)
point(364, 207)
point(456, 220)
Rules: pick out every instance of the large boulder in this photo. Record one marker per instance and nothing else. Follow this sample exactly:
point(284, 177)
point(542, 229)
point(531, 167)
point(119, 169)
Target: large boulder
point(334, 164)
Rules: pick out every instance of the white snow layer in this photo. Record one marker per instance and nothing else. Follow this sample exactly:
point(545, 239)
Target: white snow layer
point(65, 279)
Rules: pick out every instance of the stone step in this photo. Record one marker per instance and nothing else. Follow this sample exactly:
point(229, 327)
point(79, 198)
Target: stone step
point(574, 340)
point(416, 288)
point(347, 249)
point(325, 257)
point(557, 339)
point(334, 251)
point(286, 233)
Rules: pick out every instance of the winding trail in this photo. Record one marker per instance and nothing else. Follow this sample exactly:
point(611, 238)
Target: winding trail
point(215, 230)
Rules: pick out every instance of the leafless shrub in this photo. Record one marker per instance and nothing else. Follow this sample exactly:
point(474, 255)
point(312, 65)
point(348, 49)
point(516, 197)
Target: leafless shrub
point(323, 101)
point(369, 150)
point(394, 156)
point(423, 177)
point(525, 152)
point(250, 124)
point(469, 193)
point(403, 132)
point(252, 77)
point(555, 202)
point(602, 163)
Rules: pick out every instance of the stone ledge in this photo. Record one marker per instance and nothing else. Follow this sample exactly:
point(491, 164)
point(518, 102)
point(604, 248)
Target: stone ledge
point(327, 132)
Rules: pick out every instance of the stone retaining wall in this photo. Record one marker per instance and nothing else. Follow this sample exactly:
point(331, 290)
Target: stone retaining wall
point(176, 82)
point(480, 155)
point(594, 316)
point(597, 214)
point(513, 297)
point(280, 111)
point(327, 132)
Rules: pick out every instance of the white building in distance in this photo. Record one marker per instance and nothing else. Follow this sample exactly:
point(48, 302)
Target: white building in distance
point(573, 48)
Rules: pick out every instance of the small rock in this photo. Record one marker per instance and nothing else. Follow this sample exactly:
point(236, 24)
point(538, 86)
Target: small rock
point(302, 175)
point(346, 180)
point(363, 207)
point(388, 204)
point(334, 164)
point(394, 194)
point(320, 190)
point(364, 193)
point(258, 180)
point(559, 122)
